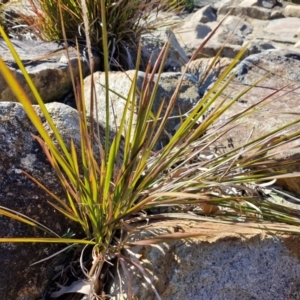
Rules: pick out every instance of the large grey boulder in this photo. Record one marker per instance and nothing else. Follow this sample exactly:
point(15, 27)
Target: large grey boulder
point(46, 64)
point(120, 83)
point(225, 262)
point(282, 68)
point(19, 151)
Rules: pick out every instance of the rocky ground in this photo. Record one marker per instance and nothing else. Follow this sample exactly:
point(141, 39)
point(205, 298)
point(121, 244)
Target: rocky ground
point(241, 265)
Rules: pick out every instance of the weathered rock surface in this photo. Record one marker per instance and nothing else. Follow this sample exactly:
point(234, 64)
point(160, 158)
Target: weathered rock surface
point(283, 69)
point(284, 30)
point(200, 67)
point(46, 64)
point(292, 11)
point(152, 45)
point(16, 9)
point(250, 11)
point(121, 83)
point(269, 22)
point(204, 15)
point(262, 3)
point(226, 262)
point(19, 151)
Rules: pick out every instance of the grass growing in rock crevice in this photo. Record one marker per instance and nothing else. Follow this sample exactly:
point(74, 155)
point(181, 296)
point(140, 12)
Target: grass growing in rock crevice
point(186, 178)
point(126, 21)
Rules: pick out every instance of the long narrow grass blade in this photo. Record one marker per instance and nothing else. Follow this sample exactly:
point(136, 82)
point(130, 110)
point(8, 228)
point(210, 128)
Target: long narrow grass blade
point(22, 97)
point(46, 240)
point(24, 219)
point(62, 203)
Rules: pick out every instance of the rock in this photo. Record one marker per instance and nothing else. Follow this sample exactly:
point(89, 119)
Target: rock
point(65, 118)
point(16, 9)
point(262, 3)
point(199, 68)
point(47, 66)
point(204, 15)
point(212, 48)
point(152, 46)
point(247, 3)
point(265, 28)
point(251, 11)
point(267, 3)
point(224, 3)
point(190, 35)
point(13, 15)
point(228, 39)
point(19, 151)
point(226, 262)
point(233, 32)
point(285, 29)
point(200, 31)
point(238, 26)
point(276, 14)
point(120, 83)
point(202, 3)
point(297, 45)
point(292, 11)
point(284, 69)
point(259, 46)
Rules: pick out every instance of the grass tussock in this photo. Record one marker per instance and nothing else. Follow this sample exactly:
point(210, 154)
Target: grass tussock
point(124, 20)
point(186, 179)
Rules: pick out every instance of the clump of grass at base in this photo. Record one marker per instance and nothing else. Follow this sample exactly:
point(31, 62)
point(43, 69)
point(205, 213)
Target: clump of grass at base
point(104, 194)
point(125, 21)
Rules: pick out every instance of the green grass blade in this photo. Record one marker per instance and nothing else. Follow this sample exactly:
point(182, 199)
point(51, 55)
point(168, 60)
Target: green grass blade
point(22, 97)
point(46, 240)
